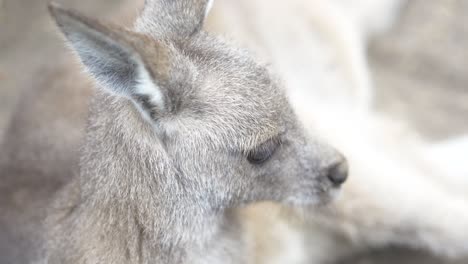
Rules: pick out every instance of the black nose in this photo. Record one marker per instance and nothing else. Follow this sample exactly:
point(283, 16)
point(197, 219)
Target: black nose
point(338, 173)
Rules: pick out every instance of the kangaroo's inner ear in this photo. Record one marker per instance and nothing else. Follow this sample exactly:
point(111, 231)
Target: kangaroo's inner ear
point(110, 55)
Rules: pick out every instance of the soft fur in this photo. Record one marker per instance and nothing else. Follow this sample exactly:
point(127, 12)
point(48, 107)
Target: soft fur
point(401, 190)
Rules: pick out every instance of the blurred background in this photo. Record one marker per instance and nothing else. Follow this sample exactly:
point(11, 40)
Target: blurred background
point(419, 69)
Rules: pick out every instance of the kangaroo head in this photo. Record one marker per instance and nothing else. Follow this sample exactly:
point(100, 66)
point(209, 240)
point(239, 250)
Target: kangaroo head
point(187, 110)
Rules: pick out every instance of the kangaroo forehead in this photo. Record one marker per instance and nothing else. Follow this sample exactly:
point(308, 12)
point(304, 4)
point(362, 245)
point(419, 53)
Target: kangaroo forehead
point(242, 109)
point(219, 59)
point(228, 79)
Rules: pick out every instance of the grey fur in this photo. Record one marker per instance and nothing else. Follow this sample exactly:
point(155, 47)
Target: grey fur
point(161, 180)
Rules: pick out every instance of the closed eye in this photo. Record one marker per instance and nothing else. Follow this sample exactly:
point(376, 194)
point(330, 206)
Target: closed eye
point(263, 152)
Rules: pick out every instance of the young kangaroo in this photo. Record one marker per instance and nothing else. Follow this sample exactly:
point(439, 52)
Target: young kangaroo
point(183, 130)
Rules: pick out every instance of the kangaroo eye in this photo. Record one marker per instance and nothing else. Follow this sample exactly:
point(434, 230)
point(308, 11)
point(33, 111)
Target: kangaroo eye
point(262, 153)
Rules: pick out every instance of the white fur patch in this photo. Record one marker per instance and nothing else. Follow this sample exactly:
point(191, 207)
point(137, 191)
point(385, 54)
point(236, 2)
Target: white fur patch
point(146, 86)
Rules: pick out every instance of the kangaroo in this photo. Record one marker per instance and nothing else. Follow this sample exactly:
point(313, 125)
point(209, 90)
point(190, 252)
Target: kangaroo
point(183, 130)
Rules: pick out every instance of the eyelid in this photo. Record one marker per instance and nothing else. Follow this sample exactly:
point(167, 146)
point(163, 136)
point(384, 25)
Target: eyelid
point(269, 144)
point(276, 140)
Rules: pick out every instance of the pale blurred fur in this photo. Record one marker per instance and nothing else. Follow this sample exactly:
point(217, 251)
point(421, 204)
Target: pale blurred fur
point(402, 190)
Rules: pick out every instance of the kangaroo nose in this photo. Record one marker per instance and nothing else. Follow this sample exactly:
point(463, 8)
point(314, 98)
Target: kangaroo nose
point(338, 173)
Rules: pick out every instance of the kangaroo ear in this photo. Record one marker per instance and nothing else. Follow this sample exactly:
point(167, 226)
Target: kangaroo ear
point(174, 18)
point(111, 54)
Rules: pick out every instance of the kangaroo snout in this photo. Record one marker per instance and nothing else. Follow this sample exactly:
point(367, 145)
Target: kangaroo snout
point(337, 173)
